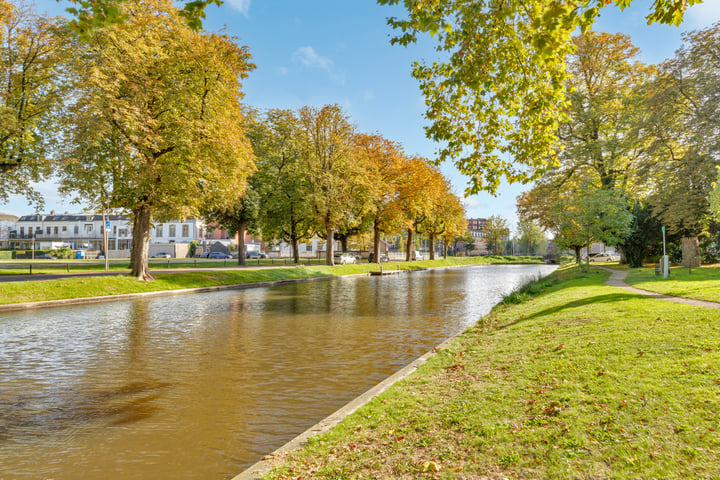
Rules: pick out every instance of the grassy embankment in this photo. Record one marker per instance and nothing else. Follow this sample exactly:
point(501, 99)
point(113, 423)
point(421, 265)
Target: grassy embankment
point(570, 379)
point(701, 283)
point(79, 287)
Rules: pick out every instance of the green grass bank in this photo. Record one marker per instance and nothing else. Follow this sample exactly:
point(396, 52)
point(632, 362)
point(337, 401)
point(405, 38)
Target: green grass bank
point(701, 283)
point(569, 379)
point(82, 287)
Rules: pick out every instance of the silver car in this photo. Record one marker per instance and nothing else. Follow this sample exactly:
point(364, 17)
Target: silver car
point(344, 258)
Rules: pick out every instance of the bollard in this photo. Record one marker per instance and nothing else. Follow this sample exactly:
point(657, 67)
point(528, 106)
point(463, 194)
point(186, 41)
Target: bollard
point(68, 268)
point(31, 269)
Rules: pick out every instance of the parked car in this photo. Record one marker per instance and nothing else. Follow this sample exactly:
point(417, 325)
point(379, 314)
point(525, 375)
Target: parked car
point(161, 255)
point(605, 257)
point(383, 257)
point(45, 256)
point(219, 255)
point(344, 258)
point(255, 255)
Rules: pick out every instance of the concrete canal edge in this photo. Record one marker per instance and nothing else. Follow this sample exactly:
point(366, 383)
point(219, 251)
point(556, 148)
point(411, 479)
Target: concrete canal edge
point(273, 459)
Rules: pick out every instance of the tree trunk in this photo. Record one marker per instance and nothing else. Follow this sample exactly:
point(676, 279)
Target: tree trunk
point(409, 245)
point(431, 241)
point(344, 243)
point(295, 246)
point(376, 243)
point(329, 245)
point(142, 216)
point(577, 254)
point(241, 241)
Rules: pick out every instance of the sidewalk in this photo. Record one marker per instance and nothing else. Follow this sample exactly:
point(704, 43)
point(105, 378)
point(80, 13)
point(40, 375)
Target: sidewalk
point(617, 279)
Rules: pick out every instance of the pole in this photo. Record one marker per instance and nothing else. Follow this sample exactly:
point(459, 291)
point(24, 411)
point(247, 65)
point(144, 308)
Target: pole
point(105, 241)
point(663, 232)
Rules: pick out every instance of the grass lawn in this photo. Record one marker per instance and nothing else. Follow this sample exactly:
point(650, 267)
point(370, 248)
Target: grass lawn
point(701, 283)
point(577, 380)
point(78, 287)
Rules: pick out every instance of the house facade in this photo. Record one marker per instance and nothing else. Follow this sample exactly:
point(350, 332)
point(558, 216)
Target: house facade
point(42, 232)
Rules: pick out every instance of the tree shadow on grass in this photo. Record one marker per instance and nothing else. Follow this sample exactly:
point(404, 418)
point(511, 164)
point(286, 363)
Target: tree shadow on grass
point(584, 302)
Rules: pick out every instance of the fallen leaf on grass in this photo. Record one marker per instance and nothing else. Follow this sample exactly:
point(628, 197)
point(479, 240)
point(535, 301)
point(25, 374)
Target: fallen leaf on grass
point(431, 467)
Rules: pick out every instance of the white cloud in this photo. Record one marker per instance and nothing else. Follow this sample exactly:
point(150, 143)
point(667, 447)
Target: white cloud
point(242, 6)
point(283, 71)
point(308, 57)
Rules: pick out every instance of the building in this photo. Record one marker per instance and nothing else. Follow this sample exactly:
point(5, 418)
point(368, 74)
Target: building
point(476, 226)
point(45, 232)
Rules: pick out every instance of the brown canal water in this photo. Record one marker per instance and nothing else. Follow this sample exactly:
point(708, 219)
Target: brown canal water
point(202, 386)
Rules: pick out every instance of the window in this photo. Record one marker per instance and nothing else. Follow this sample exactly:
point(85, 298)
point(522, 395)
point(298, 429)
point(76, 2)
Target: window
point(77, 229)
point(159, 230)
point(88, 227)
point(38, 229)
point(64, 228)
point(47, 230)
point(123, 232)
point(172, 231)
point(55, 230)
point(186, 230)
point(22, 231)
point(114, 229)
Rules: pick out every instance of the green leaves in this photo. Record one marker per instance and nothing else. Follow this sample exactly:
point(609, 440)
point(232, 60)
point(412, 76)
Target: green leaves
point(495, 104)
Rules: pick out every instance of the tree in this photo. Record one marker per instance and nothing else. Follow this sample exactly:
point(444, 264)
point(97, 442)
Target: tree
point(33, 51)
point(604, 137)
point(496, 232)
point(444, 214)
point(531, 236)
point(157, 111)
point(644, 236)
point(93, 14)
point(419, 185)
point(594, 215)
point(501, 91)
point(384, 161)
point(686, 132)
point(454, 232)
point(281, 180)
point(328, 165)
point(237, 218)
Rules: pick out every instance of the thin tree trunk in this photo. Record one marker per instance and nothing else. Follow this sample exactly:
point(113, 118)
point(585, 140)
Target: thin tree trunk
point(241, 241)
point(344, 243)
point(409, 245)
point(330, 246)
point(431, 240)
point(376, 243)
point(142, 216)
point(295, 246)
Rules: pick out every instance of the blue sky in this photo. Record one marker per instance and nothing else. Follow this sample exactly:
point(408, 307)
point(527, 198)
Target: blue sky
point(317, 52)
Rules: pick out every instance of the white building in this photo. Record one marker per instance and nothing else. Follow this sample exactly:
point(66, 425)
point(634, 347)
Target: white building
point(41, 232)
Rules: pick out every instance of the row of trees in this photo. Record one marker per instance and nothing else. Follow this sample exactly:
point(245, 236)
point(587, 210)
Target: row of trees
point(317, 175)
point(143, 115)
point(640, 148)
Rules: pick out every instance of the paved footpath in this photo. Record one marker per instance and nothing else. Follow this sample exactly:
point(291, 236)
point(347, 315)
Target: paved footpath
point(617, 279)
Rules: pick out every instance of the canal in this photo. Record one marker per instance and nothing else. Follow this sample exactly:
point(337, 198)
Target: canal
point(204, 385)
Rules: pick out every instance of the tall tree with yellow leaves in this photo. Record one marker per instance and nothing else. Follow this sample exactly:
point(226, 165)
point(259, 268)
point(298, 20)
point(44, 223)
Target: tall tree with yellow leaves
point(157, 112)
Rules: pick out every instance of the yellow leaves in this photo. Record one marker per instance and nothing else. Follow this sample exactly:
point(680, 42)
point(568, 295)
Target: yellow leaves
point(431, 467)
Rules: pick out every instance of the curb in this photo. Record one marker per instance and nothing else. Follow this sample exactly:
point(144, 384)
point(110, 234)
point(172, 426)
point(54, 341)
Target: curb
point(271, 460)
